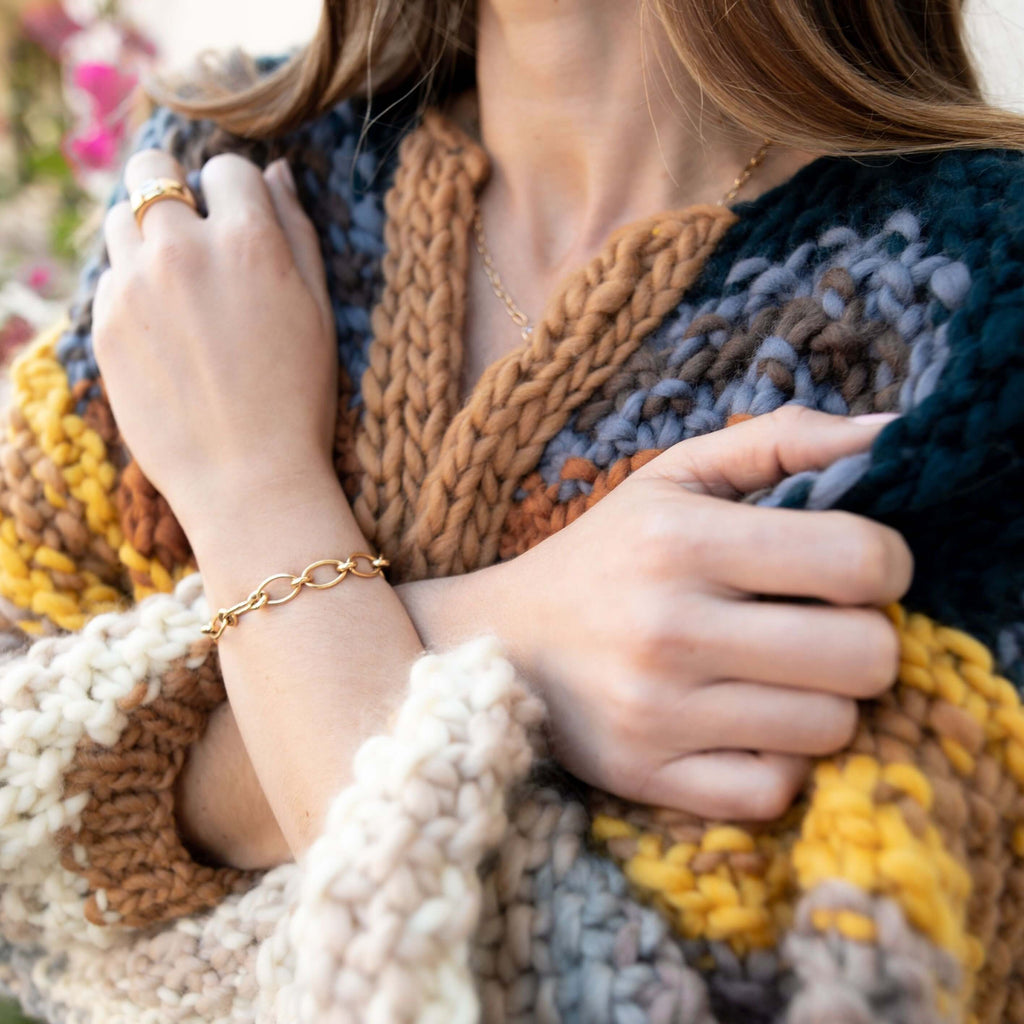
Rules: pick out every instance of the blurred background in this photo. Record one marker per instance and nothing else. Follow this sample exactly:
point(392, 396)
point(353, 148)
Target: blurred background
point(69, 103)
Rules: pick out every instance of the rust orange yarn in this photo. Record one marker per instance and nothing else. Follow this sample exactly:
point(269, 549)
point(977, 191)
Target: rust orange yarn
point(149, 525)
point(540, 513)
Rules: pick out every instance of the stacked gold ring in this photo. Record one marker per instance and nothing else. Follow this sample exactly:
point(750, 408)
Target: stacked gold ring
point(157, 189)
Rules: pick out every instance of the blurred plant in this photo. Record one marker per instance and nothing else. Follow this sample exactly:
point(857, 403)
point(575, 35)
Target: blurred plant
point(69, 100)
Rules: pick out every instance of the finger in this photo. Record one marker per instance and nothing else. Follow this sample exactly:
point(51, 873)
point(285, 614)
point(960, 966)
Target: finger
point(774, 719)
point(167, 215)
point(122, 235)
point(299, 231)
point(728, 785)
point(762, 451)
point(850, 652)
point(235, 192)
point(101, 301)
point(831, 556)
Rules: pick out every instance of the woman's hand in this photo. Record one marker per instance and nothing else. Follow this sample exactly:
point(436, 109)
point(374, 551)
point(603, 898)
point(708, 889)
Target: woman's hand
point(662, 631)
point(216, 343)
point(215, 336)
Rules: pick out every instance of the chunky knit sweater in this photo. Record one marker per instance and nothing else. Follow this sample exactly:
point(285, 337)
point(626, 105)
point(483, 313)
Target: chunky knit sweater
point(462, 876)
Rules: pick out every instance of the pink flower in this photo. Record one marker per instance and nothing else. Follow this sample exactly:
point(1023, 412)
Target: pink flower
point(96, 148)
point(106, 85)
point(48, 25)
point(38, 276)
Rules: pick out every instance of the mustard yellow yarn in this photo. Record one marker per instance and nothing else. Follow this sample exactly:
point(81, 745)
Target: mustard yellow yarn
point(39, 389)
point(748, 908)
point(865, 822)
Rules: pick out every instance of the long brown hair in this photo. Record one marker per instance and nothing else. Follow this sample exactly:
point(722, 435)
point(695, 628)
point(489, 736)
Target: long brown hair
point(827, 76)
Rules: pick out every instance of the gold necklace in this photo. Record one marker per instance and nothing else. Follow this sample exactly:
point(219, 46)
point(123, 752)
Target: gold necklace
point(521, 320)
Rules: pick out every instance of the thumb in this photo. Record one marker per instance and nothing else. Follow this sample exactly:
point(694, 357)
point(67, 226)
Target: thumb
point(764, 450)
point(299, 231)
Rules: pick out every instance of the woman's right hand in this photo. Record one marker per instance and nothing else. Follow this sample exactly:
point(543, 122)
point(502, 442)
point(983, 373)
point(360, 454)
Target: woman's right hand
point(662, 631)
point(664, 627)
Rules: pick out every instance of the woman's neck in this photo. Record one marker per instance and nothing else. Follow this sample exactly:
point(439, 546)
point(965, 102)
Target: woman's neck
point(590, 124)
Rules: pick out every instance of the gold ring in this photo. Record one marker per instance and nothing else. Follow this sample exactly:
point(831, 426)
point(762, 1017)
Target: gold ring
point(156, 189)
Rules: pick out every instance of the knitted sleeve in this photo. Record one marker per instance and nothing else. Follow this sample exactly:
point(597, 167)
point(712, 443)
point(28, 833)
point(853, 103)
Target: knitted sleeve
point(91, 721)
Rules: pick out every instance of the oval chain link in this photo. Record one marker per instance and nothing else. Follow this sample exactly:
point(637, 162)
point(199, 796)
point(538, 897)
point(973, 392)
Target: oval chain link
point(260, 598)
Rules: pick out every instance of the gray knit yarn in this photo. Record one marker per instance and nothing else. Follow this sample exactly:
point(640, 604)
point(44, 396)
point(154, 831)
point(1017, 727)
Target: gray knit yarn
point(562, 941)
point(901, 287)
point(891, 981)
point(23, 972)
point(752, 989)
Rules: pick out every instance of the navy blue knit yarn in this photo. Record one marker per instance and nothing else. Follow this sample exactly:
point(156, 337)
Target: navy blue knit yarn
point(950, 475)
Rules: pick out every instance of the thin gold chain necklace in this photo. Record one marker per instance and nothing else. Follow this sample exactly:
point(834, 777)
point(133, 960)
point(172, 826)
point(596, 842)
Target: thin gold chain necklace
point(521, 320)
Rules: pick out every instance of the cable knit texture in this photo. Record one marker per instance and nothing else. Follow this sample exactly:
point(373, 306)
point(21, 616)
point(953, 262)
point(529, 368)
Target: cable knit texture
point(462, 876)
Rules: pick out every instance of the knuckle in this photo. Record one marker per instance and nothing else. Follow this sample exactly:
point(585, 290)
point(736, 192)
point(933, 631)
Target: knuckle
point(655, 525)
point(629, 708)
point(140, 163)
point(102, 297)
point(170, 254)
point(902, 573)
point(227, 162)
point(791, 417)
point(627, 773)
point(669, 534)
point(249, 235)
point(653, 633)
point(115, 216)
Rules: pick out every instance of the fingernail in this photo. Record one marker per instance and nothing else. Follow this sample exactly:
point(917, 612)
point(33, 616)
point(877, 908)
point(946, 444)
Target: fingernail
point(874, 419)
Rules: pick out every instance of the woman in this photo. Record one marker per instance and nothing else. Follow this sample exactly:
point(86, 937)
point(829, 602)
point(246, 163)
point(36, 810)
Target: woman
point(464, 427)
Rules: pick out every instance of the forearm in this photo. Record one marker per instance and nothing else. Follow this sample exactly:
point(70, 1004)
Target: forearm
point(223, 812)
point(308, 681)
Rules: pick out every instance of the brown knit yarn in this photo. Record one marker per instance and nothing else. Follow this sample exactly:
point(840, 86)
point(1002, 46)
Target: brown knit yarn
point(847, 353)
point(976, 813)
point(443, 481)
point(98, 416)
point(346, 420)
point(127, 846)
point(595, 322)
point(411, 388)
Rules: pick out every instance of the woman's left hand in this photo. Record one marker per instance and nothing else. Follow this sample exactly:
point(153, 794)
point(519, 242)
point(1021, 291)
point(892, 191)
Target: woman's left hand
point(215, 336)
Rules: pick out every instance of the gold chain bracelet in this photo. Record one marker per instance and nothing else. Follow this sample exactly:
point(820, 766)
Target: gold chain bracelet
point(259, 598)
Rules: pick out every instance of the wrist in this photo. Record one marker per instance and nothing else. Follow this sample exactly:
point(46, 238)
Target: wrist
point(212, 508)
point(247, 534)
point(447, 612)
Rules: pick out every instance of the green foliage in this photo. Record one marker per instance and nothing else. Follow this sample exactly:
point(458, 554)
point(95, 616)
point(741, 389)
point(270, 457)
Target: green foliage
point(10, 1014)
